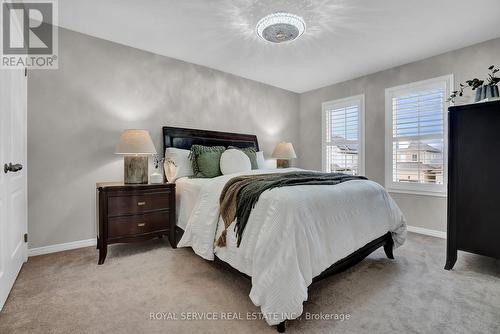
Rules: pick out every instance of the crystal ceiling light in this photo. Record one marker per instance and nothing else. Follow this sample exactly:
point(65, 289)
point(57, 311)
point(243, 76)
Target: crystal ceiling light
point(280, 27)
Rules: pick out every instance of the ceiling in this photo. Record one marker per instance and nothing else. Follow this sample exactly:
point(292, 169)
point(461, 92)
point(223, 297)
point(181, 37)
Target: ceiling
point(344, 39)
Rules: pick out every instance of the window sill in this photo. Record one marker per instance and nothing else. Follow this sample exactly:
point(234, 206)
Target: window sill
point(417, 192)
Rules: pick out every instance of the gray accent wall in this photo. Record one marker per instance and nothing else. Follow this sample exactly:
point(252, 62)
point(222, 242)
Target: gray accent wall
point(421, 211)
point(76, 115)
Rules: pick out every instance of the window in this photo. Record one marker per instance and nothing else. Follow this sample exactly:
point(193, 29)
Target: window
point(416, 131)
point(343, 135)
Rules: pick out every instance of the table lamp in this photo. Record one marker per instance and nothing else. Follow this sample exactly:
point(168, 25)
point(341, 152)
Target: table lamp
point(135, 145)
point(283, 153)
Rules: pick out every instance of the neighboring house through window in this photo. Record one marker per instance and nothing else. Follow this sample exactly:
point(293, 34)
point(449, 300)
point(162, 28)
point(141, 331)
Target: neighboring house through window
point(416, 132)
point(343, 135)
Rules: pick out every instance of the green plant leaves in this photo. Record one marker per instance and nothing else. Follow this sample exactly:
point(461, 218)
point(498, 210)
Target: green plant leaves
point(476, 83)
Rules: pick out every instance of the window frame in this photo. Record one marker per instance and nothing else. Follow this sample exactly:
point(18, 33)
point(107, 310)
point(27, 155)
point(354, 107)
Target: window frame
point(340, 103)
point(439, 190)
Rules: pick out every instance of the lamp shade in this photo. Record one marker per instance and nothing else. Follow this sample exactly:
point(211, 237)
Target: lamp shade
point(135, 142)
point(284, 151)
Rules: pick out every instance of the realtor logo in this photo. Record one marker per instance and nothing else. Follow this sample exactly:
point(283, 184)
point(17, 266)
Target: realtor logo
point(29, 34)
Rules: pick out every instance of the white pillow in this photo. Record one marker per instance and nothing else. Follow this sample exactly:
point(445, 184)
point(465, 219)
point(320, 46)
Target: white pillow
point(234, 161)
point(261, 163)
point(177, 164)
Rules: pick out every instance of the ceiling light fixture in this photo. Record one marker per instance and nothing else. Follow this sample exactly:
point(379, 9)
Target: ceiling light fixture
point(280, 27)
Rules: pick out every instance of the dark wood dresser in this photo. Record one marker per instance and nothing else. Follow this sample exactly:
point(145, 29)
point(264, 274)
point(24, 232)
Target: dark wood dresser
point(474, 181)
point(130, 213)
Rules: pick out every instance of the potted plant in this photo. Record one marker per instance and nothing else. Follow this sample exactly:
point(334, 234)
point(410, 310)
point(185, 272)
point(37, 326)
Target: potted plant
point(484, 88)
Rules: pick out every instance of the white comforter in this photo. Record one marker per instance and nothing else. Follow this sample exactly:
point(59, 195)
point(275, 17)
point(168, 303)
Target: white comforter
point(292, 235)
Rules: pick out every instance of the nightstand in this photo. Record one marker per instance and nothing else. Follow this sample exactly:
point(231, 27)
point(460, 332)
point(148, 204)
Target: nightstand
point(134, 212)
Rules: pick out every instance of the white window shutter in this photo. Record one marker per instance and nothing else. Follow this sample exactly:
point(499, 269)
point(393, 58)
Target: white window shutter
point(342, 141)
point(417, 116)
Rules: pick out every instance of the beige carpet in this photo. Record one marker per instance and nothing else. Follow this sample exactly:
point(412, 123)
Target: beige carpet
point(68, 293)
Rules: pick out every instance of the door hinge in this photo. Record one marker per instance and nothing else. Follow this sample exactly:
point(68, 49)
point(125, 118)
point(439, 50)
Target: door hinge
point(25, 237)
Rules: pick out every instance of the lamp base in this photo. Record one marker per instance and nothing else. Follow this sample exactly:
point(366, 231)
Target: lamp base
point(282, 163)
point(135, 169)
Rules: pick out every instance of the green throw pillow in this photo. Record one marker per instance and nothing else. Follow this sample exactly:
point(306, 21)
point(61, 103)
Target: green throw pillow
point(251, 153)
point(206, 160)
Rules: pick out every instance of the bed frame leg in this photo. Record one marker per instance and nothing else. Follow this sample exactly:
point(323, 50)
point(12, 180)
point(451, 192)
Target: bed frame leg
point(388, 247)
point(281, 328)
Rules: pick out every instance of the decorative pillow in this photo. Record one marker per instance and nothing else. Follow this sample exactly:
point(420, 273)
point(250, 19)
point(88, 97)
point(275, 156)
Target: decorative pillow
point(234, 161)
point(206, 160)
point(261, 163)
point(177, 164)
point(250, 152)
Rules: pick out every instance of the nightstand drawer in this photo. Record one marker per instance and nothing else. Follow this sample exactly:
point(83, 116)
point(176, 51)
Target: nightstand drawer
point(138, 224)
point(122, 205)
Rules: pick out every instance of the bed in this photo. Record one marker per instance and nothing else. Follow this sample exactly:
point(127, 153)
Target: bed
point(279, 253)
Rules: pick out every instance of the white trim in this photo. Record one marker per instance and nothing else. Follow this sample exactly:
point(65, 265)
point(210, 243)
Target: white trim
point(417, 189)
point(413, 188)
point(409, 87)
point(358, 99)
point(61, 247)
point(417, 192)
point(426, 231)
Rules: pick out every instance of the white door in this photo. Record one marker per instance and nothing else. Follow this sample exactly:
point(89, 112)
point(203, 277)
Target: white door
point(13, 185)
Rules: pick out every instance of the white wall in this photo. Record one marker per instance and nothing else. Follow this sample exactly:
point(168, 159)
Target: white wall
point(76, 114)
point(421, 211)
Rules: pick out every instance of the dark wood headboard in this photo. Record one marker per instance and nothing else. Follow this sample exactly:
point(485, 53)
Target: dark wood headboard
point(184, 138)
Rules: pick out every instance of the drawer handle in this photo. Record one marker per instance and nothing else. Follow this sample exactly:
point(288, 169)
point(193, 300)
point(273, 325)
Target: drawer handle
point(141, 203)
point(141, 224)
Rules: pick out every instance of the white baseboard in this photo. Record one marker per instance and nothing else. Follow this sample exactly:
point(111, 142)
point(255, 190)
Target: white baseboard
point(61, 247)
point(426, 231)
point(93, 242)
